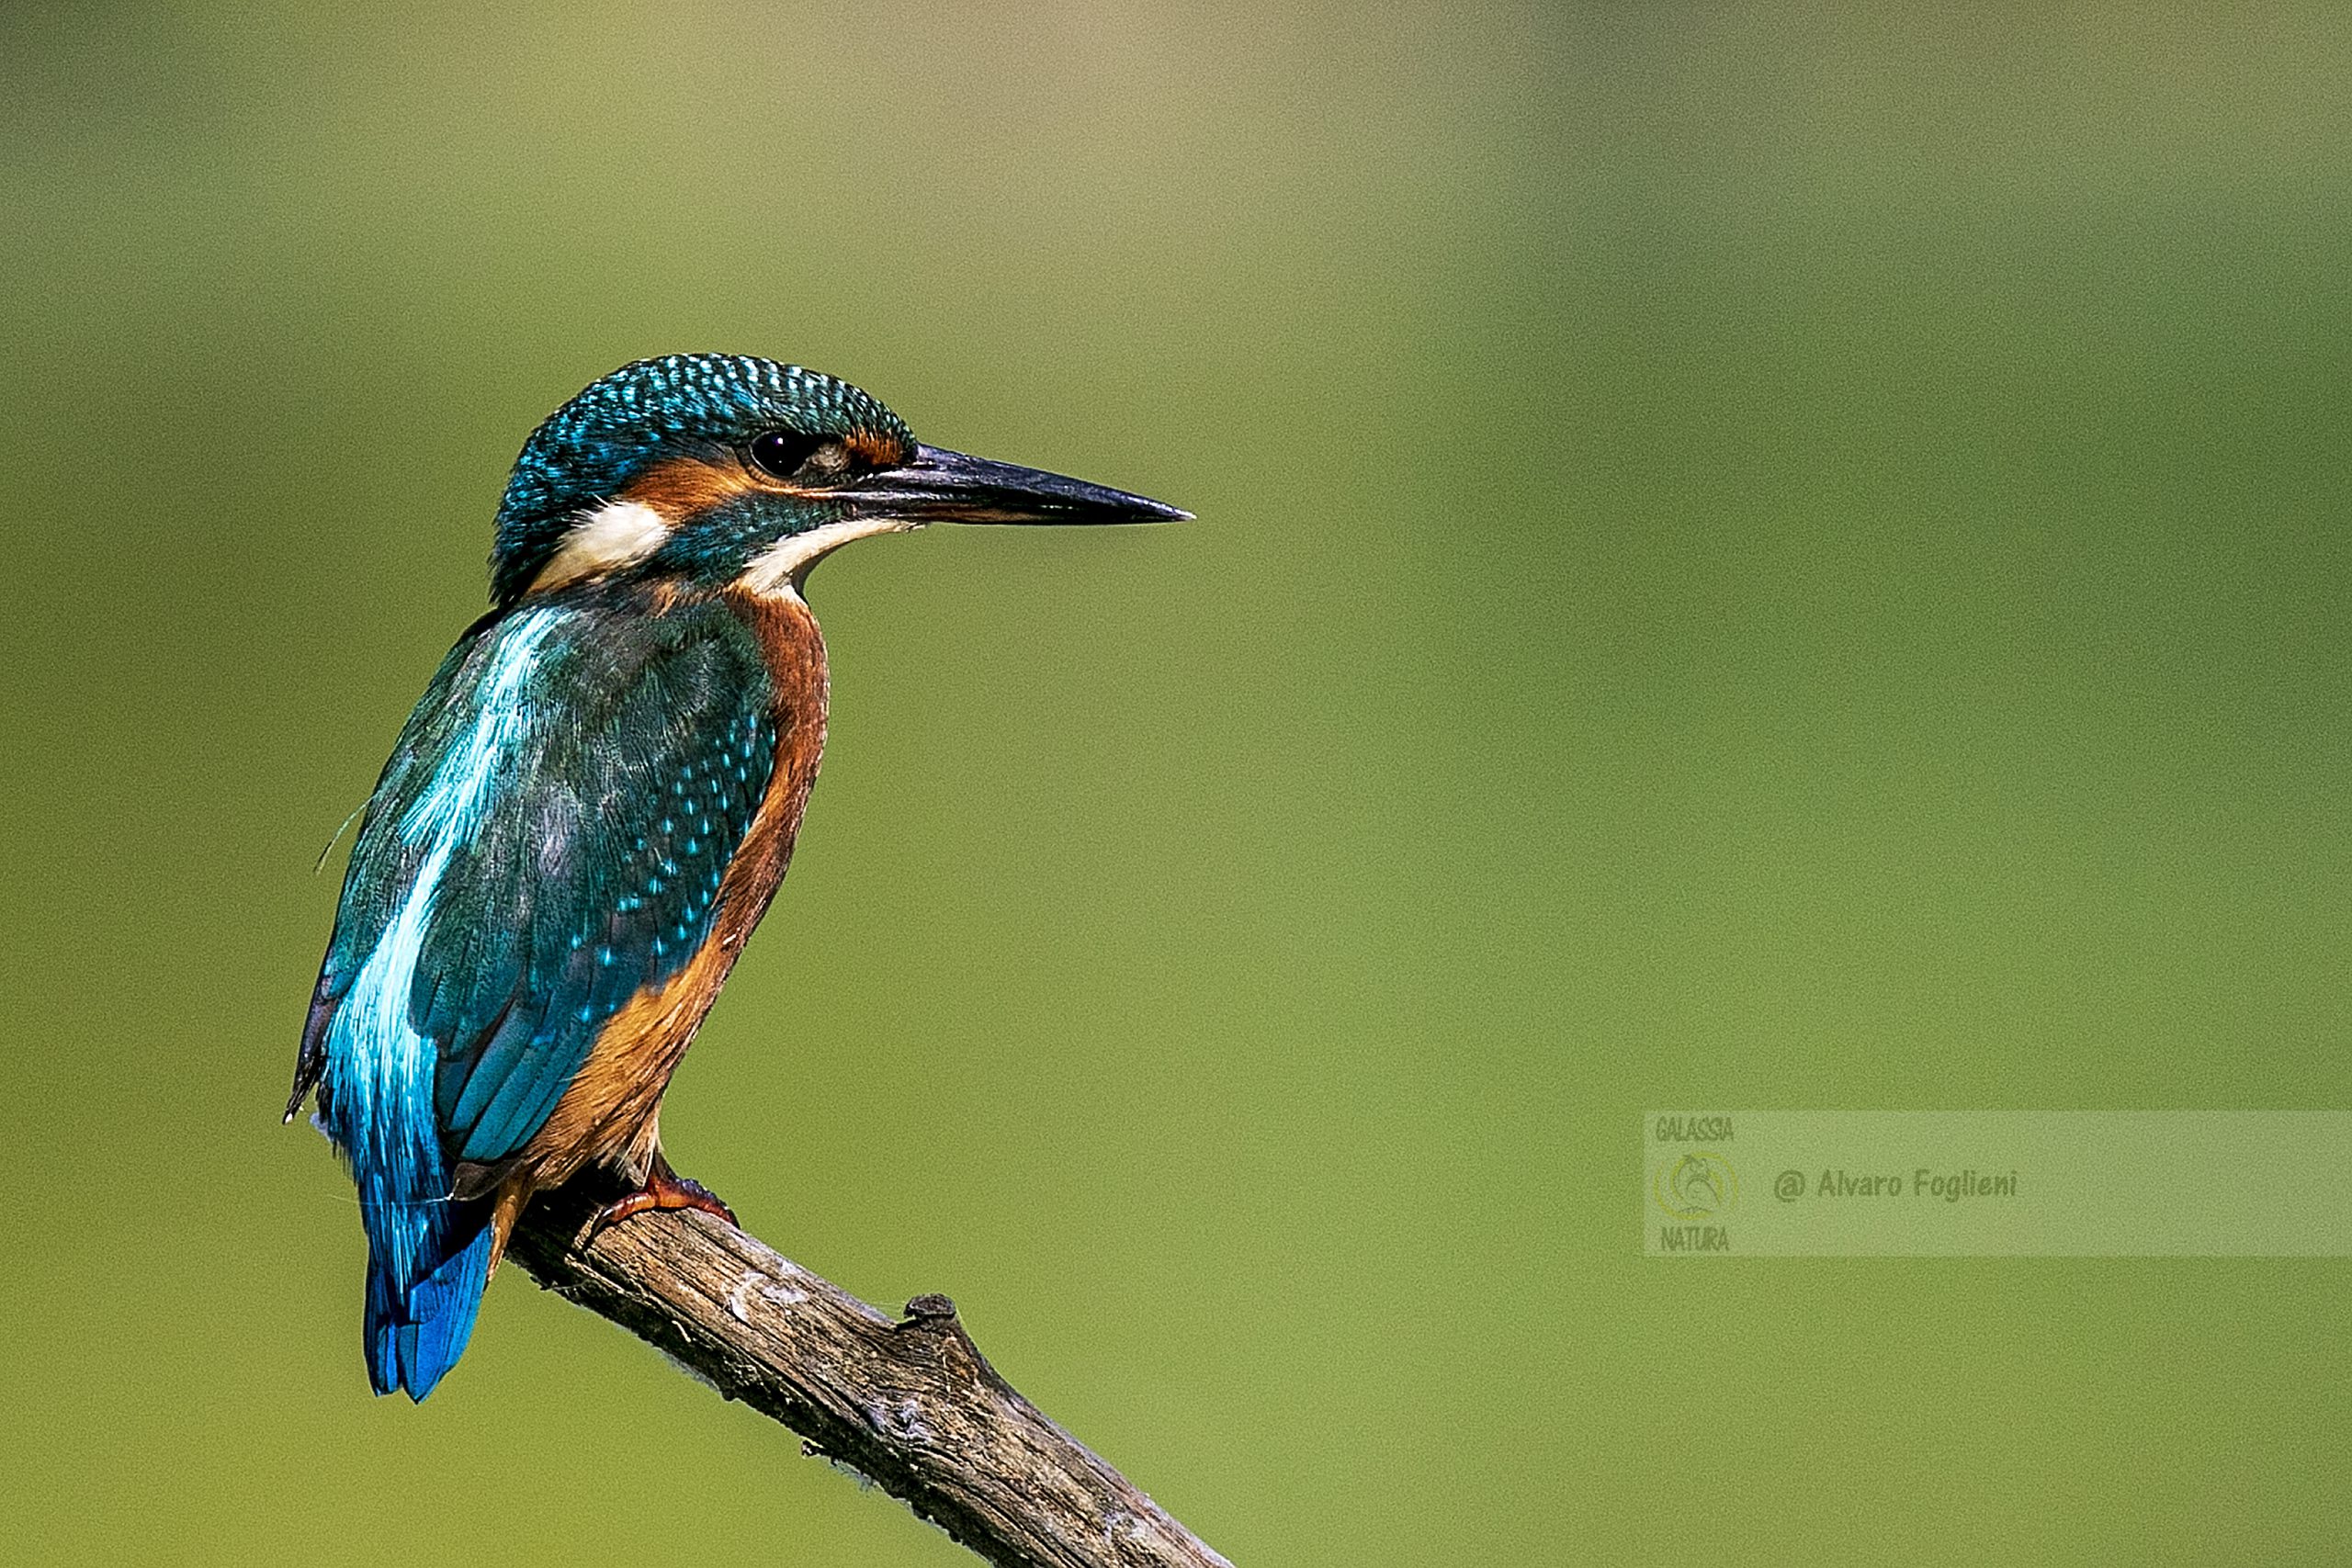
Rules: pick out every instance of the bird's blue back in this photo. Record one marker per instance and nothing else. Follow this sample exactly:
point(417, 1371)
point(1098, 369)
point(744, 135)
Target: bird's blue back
point(549, 838)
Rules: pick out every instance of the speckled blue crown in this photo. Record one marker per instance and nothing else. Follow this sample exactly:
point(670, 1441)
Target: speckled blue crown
point(588, 450)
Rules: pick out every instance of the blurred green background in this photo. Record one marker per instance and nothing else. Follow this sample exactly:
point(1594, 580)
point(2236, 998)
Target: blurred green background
point(1773, 557)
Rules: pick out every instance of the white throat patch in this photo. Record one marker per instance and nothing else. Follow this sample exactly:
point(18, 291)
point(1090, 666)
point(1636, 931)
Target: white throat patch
point(780, 569)
point(614, 535)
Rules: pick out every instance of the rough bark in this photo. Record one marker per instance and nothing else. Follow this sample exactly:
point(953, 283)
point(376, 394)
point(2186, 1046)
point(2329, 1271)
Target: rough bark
point(910, 1404)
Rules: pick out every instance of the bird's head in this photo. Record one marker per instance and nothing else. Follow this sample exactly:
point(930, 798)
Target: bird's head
point(717, 468)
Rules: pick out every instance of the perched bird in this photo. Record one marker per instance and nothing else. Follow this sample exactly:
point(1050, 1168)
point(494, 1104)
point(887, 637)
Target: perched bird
point(593, 802)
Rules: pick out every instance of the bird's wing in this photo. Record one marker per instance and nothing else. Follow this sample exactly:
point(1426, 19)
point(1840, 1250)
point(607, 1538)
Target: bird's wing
point(547, 840)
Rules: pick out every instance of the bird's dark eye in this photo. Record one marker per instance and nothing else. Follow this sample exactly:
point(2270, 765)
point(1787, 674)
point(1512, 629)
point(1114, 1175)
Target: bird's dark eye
point(783, 453)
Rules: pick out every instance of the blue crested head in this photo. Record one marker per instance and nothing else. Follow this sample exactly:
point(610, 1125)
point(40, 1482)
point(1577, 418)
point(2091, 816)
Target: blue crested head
point(703, 409)
point(710, 468)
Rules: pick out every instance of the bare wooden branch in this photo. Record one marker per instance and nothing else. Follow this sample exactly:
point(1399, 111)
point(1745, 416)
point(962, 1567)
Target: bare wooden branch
point(912, 1404)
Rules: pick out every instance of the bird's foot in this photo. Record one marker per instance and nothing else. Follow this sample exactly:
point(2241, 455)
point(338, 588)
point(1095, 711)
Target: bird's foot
point(663, 1189)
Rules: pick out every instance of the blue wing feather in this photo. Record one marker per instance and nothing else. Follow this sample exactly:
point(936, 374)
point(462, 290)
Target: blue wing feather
point(548, 840)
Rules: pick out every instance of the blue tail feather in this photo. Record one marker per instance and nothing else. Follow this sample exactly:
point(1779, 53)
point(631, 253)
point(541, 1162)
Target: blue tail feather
point(415, 1332)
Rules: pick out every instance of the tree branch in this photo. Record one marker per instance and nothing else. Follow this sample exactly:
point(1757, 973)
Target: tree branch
point(914, 1405)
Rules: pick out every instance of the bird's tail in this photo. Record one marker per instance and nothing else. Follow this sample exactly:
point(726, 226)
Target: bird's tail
point(428, 1265)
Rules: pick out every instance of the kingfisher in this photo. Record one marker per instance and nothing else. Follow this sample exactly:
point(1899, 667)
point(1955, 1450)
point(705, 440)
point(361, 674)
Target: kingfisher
point(593, 802)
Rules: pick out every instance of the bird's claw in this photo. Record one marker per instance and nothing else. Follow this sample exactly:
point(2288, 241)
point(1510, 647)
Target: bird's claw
point(664, 1189)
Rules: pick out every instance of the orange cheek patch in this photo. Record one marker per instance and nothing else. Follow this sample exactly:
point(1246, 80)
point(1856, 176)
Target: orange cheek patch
point(875, 449)
point(685, 486)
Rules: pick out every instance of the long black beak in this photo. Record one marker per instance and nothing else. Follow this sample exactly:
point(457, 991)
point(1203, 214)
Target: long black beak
point(940, 486)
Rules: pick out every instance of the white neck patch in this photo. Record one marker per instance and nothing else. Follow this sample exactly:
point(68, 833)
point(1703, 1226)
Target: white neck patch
point(614, 535)
point(779, 571)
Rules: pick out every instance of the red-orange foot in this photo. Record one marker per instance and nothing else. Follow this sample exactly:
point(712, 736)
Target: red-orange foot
point(664, 1189)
